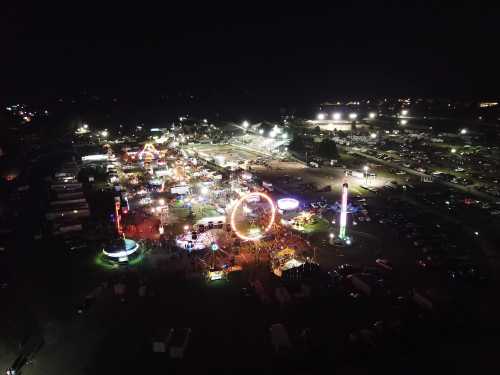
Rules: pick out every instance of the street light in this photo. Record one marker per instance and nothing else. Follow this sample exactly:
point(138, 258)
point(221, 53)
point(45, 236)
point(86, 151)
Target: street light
point(245, 124)
point(104, 133)
point(353, 116)
point(404, 122)
point(321, 116)
point(337, 116)
point(453, 150)
point(373, 135)
point(372, 115)
point(404, 112)
point(463, 131)
point(261, 131)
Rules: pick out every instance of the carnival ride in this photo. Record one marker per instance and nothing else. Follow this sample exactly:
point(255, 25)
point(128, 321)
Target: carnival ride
point(194, 241)
point(148, 153)
point(120, 249)
point(250, 219)
point(343, 214)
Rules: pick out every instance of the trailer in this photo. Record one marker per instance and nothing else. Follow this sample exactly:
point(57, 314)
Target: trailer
point(62, 202)
point(70, 186)
point(63, 229)
point(53, 215)
point(72, 195)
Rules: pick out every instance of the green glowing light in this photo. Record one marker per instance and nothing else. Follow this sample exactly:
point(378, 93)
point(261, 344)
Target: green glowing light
point(102, 261)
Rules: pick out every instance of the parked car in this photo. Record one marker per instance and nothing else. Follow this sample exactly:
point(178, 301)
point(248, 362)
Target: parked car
point(85, 306)
point(384, 263)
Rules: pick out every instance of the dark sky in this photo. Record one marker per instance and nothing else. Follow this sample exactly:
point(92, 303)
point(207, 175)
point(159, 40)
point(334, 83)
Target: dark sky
point(266, 48)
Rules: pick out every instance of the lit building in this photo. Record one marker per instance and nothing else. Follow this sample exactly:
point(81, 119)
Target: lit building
point(487, 104)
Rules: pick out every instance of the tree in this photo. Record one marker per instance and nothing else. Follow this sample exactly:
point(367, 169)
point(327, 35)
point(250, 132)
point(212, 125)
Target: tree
point(328, 149)
point(266, 128)
point(297, 144)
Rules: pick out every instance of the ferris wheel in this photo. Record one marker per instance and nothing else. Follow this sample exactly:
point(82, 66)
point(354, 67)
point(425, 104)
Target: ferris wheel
point(253, 216)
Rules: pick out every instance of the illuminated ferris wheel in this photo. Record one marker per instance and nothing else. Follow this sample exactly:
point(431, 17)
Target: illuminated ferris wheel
point(253, 216)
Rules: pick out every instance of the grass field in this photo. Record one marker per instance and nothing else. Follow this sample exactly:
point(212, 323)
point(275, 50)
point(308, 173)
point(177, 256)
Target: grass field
point(319, 226)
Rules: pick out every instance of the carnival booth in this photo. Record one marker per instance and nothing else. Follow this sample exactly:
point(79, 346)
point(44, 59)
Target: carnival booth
point(284, 260)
